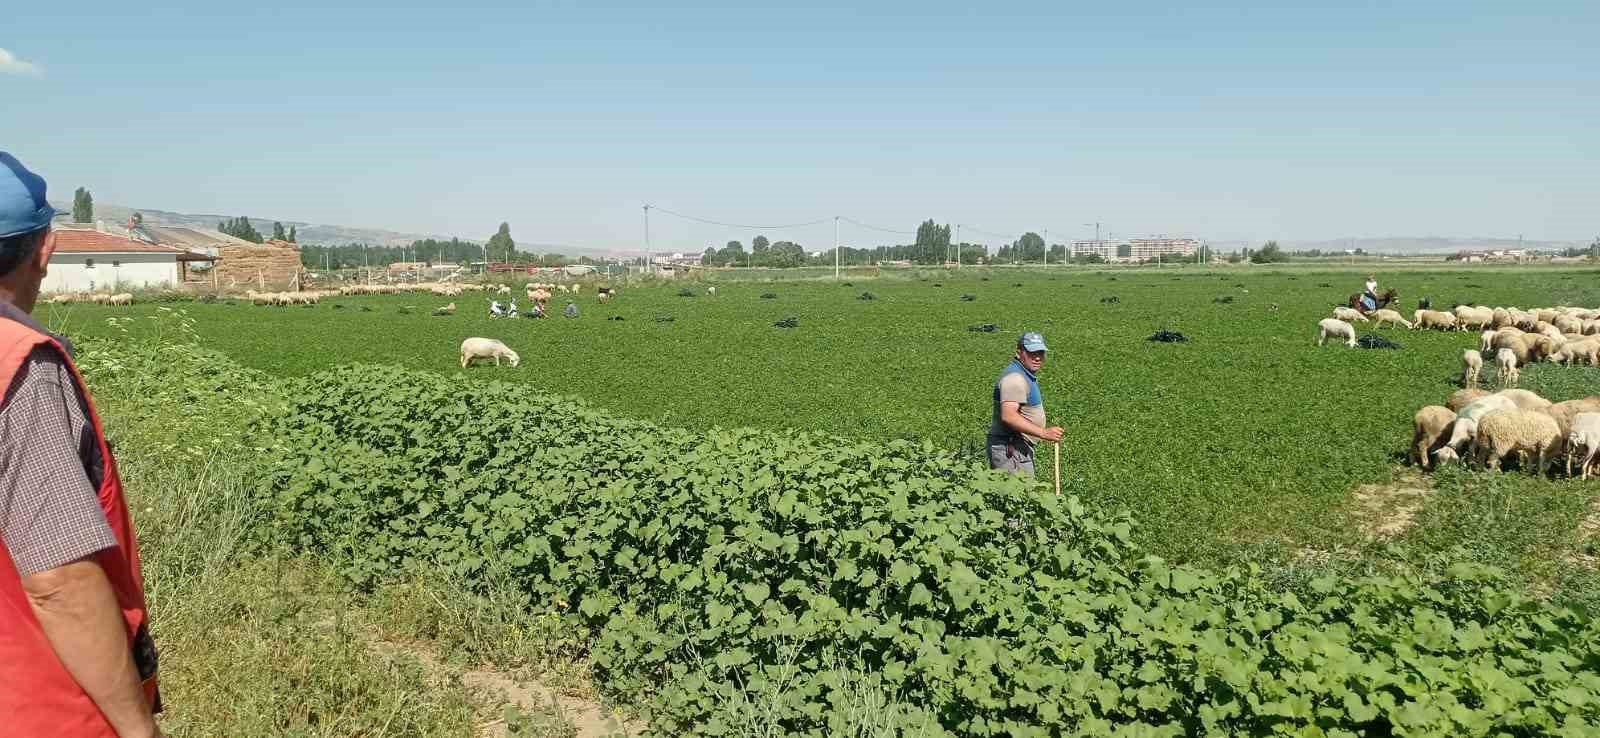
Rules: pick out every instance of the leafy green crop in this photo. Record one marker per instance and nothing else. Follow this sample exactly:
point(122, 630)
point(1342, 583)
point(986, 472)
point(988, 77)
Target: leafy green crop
point(710, 564)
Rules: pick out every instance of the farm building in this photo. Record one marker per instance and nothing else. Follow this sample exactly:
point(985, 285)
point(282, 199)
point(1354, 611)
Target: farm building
point(90, 258)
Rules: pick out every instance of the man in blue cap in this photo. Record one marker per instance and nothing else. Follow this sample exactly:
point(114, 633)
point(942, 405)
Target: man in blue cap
point(76, 657)
point(1018, 419)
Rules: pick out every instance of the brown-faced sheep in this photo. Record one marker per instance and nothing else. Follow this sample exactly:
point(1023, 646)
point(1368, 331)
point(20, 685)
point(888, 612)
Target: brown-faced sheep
point(1430, 428)
point(1528, 433)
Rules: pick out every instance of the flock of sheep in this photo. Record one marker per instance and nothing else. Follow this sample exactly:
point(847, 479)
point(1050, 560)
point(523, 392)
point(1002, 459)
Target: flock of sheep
point(1483, 427)
point(98, 298)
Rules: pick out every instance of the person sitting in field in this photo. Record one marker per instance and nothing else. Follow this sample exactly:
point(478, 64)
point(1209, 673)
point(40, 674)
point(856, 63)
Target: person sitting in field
point(537, 311)
point(1369, 298)
point(571, 311)
point(511, 312)
point(495, 310)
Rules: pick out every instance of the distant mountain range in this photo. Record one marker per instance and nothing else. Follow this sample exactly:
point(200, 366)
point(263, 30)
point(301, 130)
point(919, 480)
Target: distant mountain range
point(319, 233)
point(309, 233)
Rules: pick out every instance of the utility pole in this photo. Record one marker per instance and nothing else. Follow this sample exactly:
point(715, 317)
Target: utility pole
point(958, 245)
point(1047, 247)
point(649, 257)
point(836, 248)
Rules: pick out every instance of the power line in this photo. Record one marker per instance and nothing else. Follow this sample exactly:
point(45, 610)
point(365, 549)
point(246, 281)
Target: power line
point(709, 221)
point(871, 227)
point(991, 234)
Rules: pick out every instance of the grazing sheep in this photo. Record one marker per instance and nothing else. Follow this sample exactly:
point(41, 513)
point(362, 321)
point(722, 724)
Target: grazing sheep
point(1501, 318)
point(1506, 366)
point(1471, 367)
point(1515, 342)
point(485, 348)
point(1473, 317)
point(605, 297)
point(1434, 319)
point(1335, 328)
point(1464, 397)
point(1525, 432)
point(446, 310)
point(1349, 315)
point(712, 290)
point(1430, 427)
point(1524, 399)
point(1388, 316)
point(1445, 455)
point(1584, 439)
point(1466, 425)
point(1543, 346)
point(1587, 350)
point(1485, 341)
point(504, 289)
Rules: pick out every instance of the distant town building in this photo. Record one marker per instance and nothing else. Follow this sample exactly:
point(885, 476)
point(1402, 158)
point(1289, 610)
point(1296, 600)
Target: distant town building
point(1136, 249)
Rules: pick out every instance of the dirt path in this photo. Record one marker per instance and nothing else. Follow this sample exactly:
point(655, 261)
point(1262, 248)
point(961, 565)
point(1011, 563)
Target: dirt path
point(555, 713)
point(1383, 511)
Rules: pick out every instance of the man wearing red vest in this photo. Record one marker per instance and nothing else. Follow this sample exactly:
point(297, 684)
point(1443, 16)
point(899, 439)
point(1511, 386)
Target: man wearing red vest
point(76, 658)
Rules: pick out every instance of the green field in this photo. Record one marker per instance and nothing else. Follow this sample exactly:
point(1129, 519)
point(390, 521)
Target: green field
point(1247, 435)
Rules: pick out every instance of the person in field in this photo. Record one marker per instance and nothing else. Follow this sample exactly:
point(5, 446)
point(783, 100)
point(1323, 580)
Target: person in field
point(1018, 419)
point(76, 657)
point(1369, 297)
point(495, 310)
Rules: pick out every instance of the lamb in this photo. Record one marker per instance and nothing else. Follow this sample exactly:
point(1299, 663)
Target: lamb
point(605, 297)
point(484, 348)
point(1464, 397)
point(1434, 319)
point(1335, 328)
point(1587, 350)
point(446, 310)
point(1430, 426)
point(504, 289)
point(1527, 433)
point(1349, 315)
point(712, 290)
point(1473, 317)
point(1506, 365)
point(1471, 367)
point(1584, 438)
point(1485, 341)
point(1387, 316)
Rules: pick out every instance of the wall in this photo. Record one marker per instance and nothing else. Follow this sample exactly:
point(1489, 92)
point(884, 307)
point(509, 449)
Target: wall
point(69, 272)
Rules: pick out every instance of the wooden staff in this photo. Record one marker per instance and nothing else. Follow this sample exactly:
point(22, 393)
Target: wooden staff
point(1058, 468)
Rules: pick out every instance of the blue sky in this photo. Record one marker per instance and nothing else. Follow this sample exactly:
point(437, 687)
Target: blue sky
point(1222, 121)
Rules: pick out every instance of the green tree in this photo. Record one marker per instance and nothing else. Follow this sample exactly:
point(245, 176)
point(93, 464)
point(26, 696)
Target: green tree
point(760, 244)
point(278, 234)
point(82, 206)
point(933, 241)
point(292, 238)
point(731, 254)
point(138, 218)
point(1270, 253)
point(501, 243)
point(240, 227)
point(1029, 248)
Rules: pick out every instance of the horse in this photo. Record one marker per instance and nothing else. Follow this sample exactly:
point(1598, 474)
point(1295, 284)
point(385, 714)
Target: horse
point(1384, 299)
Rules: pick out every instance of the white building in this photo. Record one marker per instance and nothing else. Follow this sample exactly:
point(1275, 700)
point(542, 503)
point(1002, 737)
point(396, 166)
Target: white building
point(89, 260)
point(1136, 249)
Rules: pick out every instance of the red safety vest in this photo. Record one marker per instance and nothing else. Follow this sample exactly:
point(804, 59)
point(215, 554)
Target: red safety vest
point(38, 696)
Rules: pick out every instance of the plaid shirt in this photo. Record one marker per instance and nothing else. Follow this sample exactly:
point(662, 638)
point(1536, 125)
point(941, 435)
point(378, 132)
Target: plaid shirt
point(50, 465)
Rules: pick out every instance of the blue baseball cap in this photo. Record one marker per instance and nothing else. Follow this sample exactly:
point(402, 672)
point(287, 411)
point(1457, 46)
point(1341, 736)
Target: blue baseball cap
point(1031, 341)
point(22, 205)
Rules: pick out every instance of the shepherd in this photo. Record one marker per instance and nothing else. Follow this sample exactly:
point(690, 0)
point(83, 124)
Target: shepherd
point(1369, 299)
point(1018, 420)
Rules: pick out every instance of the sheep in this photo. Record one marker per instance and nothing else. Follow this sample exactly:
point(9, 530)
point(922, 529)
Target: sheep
point(1584, 438)
point(1485, 341)
point(1471, 367)
point(1515, 343)
point(1587, 350)
point(1524, 399)
point(1591, 328)
point(1567, 324)
point(1501, 318)
point(1464, 397)
point(1349, 315)
point(1527, 433)
point(1473, 317)
point(1430, 426)
point(1545, 315)
point(712, 290)
point(1335, 328)
point(605, 297)
point(446, 310)
point(504, 289)
point(1445, 455)
point(1543, 346)
point(121, 298)
point(1388, 316)
point(1434, 319)
point(1466, 425)
point(1565, 412)
point(484, 348)
point(1506, 366)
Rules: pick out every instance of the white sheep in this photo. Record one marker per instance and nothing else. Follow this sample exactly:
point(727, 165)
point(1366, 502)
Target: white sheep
point(605, 297)
point(1465, 429)
point(1517, 342)
point(1584, 438)
point(1506, 364)
point(485, 348)
point(712, 290)
point(1473, 317)
point(1524, 399)
point(1379, 317)
point(1429, 426)
point(1335, 328)
point(1587, 350)
point(1445, 455)
point(1485, 341)
point(1471, 367)
point(1349, 315)
point(1524, 432)
point(1434, 319)
point(1464, 397)
point(504, 289)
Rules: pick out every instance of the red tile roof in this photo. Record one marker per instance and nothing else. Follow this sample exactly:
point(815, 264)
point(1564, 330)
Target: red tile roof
point(75, 241)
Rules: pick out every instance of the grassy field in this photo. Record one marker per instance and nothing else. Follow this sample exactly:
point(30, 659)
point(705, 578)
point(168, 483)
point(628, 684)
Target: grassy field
point(1246, 436)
